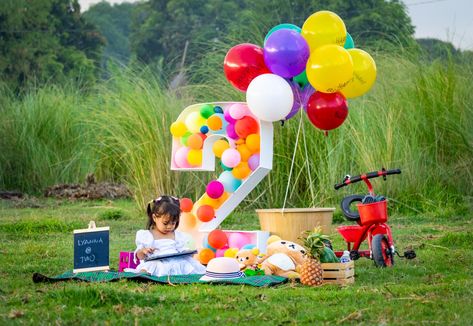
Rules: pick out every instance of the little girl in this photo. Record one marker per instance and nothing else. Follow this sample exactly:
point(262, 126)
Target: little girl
point(161, 236)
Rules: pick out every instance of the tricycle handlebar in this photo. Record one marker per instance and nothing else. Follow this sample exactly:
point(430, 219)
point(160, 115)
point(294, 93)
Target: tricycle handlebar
point(348, 180)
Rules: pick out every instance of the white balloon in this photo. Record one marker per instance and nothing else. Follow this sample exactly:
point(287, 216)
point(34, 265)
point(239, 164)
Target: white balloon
point(269, 97)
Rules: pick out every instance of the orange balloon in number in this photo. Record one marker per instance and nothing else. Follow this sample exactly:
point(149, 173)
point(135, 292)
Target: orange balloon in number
point(205, 255)
point(195, 141)
point(214, 122)
point(187, 222)
point(252, 141)
point(244, 151)
point(241, 171)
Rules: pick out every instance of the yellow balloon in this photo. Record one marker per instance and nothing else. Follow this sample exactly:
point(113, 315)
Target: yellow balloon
point(253, 142)
point(178, 129)
point(231, 252)
point(329, 68)
point(219, 147)
point(194, 157)
point(324, 27)
point(194, 121)
point(215, 203)
point(364, 74)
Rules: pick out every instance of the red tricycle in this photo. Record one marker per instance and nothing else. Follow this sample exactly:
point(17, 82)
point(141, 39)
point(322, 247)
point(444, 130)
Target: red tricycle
point(371, 217)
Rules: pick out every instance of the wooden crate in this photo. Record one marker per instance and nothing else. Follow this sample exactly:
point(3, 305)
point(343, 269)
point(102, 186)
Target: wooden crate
point(339, 273)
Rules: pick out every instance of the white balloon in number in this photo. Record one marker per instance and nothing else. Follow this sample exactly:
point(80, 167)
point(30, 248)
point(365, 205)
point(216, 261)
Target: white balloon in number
point(269, 97)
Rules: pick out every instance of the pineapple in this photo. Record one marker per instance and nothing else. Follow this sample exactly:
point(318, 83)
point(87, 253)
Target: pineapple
point(311, 271)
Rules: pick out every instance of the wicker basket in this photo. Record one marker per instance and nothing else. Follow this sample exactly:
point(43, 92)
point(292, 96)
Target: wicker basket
point(290, 223)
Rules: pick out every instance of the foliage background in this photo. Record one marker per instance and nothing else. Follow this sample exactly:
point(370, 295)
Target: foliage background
point(90, 92)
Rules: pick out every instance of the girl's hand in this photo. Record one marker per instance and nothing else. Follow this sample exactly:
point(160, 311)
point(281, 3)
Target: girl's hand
point(144, 252)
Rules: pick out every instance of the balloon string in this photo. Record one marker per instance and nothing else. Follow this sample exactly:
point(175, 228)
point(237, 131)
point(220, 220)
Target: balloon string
point(292, 162)
point(311, 184)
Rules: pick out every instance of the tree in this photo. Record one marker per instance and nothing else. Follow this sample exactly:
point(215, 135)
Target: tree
point(46, 41)
point(114, 23)
point(436, 49)
point(368, 21)
point(161, 28)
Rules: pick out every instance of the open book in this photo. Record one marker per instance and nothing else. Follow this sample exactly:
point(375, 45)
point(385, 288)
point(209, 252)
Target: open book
point(157, 255)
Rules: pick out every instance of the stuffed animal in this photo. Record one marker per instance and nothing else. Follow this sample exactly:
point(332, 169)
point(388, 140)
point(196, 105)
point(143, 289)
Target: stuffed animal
point(247, 258)
point(283, 258)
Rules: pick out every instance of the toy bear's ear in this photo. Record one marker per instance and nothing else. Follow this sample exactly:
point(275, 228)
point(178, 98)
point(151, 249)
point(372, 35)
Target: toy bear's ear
point(272, 239)
point(255, 251)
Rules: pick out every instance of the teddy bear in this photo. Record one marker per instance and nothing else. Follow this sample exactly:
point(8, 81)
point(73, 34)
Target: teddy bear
point(247, 258)
point(283, 258)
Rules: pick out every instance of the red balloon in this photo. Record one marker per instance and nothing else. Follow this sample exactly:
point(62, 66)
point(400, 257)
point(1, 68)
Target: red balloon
point(327, 111)
point(246, 126)
point(186, 205)
point(243, 63)
point(217, 239)
point(205, 213)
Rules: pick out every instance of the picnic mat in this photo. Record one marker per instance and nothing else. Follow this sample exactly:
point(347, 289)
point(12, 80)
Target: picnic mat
point(259, 281)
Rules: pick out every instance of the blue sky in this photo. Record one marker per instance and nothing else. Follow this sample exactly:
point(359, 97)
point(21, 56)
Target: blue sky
point(448, 20)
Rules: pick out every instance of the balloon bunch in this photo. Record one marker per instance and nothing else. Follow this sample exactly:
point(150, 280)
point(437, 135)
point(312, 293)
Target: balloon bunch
point(217, 243)
point(220, 243)
point(239, 154)
point(316, 68)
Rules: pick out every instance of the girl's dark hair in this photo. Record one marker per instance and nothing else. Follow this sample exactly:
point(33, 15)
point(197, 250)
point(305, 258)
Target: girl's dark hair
point(164, 205)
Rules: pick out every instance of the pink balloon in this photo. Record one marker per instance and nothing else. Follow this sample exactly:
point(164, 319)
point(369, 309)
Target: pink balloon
point(215, 189)
point(231, 157)
point(228, 117)
point(238, 111)
point(221, 252)
point(238, 240)
point(180, 157)
point(253, 161)
point(231, 131)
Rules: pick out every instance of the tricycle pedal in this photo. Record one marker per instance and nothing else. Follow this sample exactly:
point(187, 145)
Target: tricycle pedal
point(354, 255)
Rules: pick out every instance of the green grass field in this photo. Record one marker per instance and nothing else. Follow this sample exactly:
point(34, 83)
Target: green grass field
point(435, 288)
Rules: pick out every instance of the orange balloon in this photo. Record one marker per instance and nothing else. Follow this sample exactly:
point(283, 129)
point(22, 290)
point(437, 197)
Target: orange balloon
point(253, 142)
point(195, 141)
point(244, 151)
point(219, 147)
point(187, 222)
point(214, 122)
point(215, 203)
point(186, 204)
point(241, 171)
point(205, 213)
point(205, 255)
point(240, 141)
point(217, 239)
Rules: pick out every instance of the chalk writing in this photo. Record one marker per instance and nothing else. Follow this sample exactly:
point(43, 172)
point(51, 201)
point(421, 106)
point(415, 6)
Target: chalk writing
point(89, 241)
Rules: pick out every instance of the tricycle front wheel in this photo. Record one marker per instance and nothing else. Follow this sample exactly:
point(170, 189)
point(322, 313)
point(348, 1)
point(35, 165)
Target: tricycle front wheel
point(382, 255)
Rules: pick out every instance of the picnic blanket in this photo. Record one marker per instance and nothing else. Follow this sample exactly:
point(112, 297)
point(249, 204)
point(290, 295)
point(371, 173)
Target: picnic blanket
point(259, 281)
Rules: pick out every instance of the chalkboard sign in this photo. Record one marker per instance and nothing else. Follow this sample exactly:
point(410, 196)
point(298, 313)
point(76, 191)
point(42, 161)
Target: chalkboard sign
point(91, 249)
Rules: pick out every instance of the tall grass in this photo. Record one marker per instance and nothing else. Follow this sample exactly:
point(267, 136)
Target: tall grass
point(43, 139)
point(133, 141)
point(418, 117)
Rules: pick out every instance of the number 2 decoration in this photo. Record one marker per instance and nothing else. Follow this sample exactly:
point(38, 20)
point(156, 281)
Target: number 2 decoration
point(242, 142)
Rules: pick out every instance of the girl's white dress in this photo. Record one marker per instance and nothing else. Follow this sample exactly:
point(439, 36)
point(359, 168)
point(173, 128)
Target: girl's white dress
point(169, 266)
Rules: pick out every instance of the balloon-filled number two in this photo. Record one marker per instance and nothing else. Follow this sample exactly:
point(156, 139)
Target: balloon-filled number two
point(243, 143)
